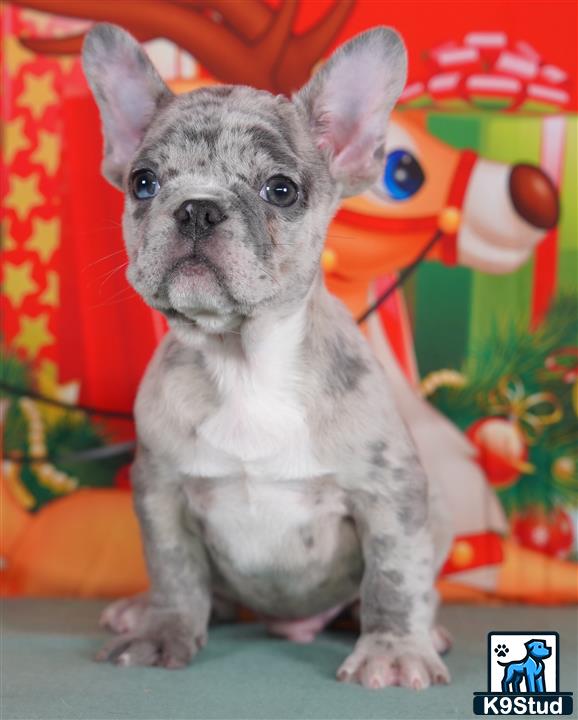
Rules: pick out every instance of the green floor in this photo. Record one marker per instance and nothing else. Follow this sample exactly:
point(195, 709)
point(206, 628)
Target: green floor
point(47, 670)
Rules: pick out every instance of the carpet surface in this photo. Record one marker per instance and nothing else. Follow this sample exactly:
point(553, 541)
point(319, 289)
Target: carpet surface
point(47, 670)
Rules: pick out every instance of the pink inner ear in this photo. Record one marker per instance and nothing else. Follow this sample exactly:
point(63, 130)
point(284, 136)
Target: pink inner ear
point(128, 111)
point(351, 142)
point(356, 157)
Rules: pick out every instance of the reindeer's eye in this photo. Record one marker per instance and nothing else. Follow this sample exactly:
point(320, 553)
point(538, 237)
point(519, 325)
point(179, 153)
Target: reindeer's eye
point(280, 191)
point(144, 184)
point(403, 175)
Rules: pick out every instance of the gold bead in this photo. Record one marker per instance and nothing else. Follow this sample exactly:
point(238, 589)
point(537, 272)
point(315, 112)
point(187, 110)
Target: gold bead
point(329, 260)
point(449, 220)
point(462, 553)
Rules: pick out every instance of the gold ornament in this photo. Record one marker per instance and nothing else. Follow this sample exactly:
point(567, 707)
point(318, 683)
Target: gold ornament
point(564, 469)
point(11, 475)
point(441, 378)
point(532, 413)
point(449, 220)
point(329, 260)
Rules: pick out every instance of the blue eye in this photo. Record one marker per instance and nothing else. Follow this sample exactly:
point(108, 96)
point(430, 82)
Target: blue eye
point(280, 190)
point(144, 184)
point(403, 175)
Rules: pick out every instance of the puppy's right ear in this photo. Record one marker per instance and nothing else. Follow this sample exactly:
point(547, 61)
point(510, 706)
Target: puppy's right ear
point(128, 91)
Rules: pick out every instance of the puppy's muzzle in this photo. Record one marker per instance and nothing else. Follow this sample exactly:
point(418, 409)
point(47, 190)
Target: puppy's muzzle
point(198, 218)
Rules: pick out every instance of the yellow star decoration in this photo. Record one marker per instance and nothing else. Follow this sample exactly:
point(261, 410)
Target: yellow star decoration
point(16, 55)
point(51, 294)
point(45, 238)
point(23, 195)
point(33, 334)
point(18, 282)
point(47, 379)
point(7, 242)
point(14, 139)
point(47, 152)
point(38, 93)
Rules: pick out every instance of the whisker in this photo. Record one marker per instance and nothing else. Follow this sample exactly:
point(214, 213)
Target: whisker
point(111, 273)
point(113, 301)
point(99, 229)
point(102, 259)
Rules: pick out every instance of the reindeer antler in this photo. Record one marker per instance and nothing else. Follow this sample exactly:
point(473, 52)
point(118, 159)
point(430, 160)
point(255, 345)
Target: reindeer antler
point(246, 42)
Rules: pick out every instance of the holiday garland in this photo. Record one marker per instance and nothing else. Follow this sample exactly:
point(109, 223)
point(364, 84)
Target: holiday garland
point(41, 443)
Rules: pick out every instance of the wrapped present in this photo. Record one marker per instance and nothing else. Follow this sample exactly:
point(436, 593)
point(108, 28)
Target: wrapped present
point(495, 114)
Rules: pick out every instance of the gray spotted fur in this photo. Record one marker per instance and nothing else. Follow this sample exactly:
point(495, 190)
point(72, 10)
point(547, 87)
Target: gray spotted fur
point(259, 268)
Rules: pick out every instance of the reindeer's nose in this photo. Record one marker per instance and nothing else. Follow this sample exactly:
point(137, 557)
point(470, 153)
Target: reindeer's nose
point(198, 217)
point(534, 196)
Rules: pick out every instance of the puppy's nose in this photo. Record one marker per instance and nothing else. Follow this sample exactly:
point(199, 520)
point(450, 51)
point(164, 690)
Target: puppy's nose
point(198, 216)
point(534, 196)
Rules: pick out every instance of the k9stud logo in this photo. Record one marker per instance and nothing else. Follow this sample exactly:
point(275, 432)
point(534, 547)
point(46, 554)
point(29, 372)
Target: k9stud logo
point(523, 669)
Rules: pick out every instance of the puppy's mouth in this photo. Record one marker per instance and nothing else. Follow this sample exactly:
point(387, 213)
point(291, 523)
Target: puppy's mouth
point(173, 314)
point(194, 295)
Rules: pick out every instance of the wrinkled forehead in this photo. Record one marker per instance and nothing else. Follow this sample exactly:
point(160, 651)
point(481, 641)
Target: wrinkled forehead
point(225, 129)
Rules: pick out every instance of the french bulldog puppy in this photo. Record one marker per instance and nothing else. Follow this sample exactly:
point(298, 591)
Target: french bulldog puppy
point(272, 469)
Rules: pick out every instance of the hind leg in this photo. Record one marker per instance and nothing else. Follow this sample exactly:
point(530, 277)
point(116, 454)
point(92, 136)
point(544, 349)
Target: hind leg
point(122, 616)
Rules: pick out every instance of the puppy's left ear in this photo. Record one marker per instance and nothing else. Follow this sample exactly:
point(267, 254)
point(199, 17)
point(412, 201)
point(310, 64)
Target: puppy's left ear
point(128, 91)
point(348, 101)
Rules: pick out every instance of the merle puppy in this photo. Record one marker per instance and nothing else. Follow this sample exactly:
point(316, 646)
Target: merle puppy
point(272, 469)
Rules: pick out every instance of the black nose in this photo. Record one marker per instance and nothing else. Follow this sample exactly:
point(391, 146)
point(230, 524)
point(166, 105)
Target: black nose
point(198, 217)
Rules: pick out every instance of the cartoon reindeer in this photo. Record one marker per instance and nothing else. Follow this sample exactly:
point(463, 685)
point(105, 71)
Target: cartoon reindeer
point(490, 217)
point(486, 215)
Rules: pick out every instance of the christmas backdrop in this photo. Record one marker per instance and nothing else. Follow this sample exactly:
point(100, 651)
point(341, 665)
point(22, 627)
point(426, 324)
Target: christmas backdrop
point(489, 345)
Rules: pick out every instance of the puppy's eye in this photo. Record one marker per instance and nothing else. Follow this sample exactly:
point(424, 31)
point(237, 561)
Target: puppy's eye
point(144, 184)
point(280, 191)
point(403, 175)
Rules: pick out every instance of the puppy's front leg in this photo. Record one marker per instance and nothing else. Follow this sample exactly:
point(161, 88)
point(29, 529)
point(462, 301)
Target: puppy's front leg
point(173, 626)
point(397, 594)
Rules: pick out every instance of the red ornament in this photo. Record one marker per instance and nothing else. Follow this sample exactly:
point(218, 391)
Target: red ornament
point(502, 450)
point(548, 532)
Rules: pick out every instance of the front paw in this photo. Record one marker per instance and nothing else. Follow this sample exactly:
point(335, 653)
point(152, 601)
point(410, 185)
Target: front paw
point(168, 642)
point(123, 616)
point(380, 660)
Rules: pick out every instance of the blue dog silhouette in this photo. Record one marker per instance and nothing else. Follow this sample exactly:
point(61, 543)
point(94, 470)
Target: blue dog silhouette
point(531, 668)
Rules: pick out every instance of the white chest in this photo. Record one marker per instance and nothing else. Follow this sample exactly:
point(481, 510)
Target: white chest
point(253, 434)
point(259, 427)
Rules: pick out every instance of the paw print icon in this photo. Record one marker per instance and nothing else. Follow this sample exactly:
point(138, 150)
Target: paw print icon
point(501, 650)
